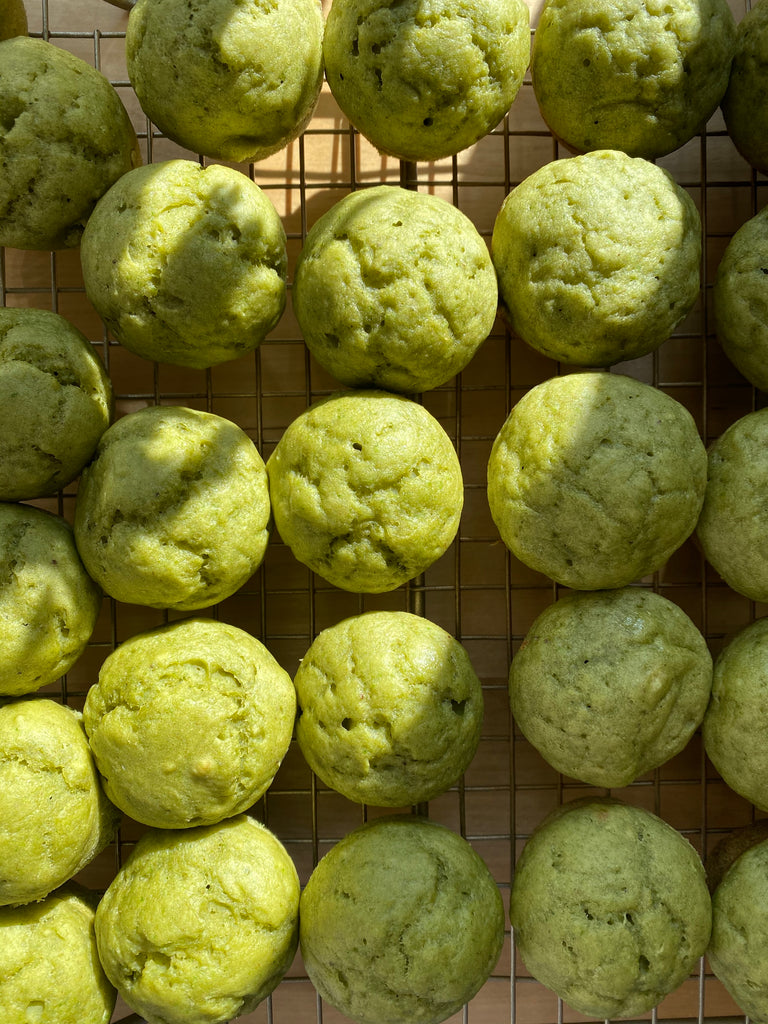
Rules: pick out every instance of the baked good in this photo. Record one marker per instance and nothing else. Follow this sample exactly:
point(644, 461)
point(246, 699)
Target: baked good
point(595, 479)
point(730, 847)
point(66, 138)
point(48, 962)
point(598, 257)
point(742, 105)
point(610, 907)
point(394, 289)
point(48, 602)
point(734, 519)
point(422, 80)
point(235, 81)
point(610, 684)
point(390, 708)
point(401, 921)
point(625, 74)
point(186, 264)
point(55, 402)
point(173, 511)
point(188, 723)
point(200, 925)
point(55, 817)
point(366, 489)
point(13, 19)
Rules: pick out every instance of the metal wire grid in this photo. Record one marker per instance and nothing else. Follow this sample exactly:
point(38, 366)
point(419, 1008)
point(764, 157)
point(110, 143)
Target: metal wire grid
point(477, 590)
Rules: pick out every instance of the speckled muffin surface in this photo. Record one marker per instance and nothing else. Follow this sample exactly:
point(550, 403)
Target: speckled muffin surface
point(13, 19)
point(390, 708)
point(610, 907)
point(610, 684)
point(598, 257)
point(233, 80)
point(188, 723)
point(173, 511)
point(424, 79)
point(595, 479)
point(401, 922)
point(366, 489)
point(185, 264)
point(626, 74)
point(200, 925)
point(745, 118)
point(65, 139)
point(394, 289)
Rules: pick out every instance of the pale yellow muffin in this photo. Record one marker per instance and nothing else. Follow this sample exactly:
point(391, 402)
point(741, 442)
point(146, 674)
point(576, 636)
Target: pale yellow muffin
point(13, 19)
point(743, 104)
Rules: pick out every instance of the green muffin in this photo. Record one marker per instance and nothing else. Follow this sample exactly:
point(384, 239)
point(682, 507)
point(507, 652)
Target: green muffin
point(424, 79)
point(49, 964)
point(186, 264)
point(199, 926)
point(48, 602)
point(610, 907)
point(188, 723)
point(610, 684)
point(598, 257)
point(394, 289)
point(233, 79)
point(744, 112)
point(13, 19)
point(640, 76)
point(390, 708)
point(54, 817)
point(366, 490)
point(596, 479)
point(400, 923)
point(173, 511)
point(65, 138)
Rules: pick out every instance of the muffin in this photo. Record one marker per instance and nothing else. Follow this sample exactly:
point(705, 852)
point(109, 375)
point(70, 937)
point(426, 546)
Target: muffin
point(610, 907)
point(390, 708)
point(173, 511)
point(55, 402)
point(595, 479)
point(13, 19)
point(743, 104)
point(186, 264)
point(598, 258)
point(366, 490)
point(188, 723)
point(734, 518)
point(423, 80)
point(610, 684)
point(626, 74)
point(48, 602)
point(199, 926)
point(235, 81)
point(54, 813)
point(49, 964)
point(400, 922)
point(66, 138)
point(394, 289)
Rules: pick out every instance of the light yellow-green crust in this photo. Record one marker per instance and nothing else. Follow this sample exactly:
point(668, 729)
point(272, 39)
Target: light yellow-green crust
point(233, 79)
point(48, 602)
point(13, 19)
point(186, 264)
point(639, 75)
point(65, 138)
point(55, 402)
point(54, 817)
point(745, 119)
point(49, 965)
point(400, 921)
point(173, 512)
point(734, 518)
point(394, 289)
point(188, 723)
point(610, 907)
point(595, 479)
point(366, 490)
point(610, 684)
point(424, 79)
point(390, 708)
point(598, 257)
point(200, 925)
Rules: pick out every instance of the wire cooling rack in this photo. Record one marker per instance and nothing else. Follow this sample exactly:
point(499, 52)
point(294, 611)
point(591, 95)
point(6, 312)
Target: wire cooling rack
point(477, 590)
